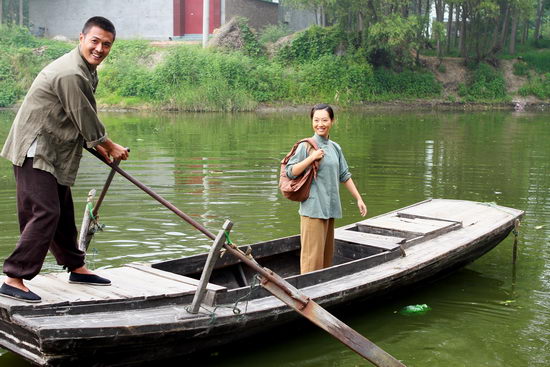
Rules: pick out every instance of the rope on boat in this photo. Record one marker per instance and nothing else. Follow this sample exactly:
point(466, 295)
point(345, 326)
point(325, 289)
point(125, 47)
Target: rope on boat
point(90, 260)
point(236, 310)
point(91, 210)
point(227, 238)
point(253, 286)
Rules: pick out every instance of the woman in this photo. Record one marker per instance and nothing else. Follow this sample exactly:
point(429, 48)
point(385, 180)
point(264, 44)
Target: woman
point(317, 213)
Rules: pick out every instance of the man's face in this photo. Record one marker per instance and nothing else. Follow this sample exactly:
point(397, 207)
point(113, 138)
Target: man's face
point(95, 45)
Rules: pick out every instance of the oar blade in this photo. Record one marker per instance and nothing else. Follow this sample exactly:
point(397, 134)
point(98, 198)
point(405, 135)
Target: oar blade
point(328, 322)
point(87, 240)
point(83, 240)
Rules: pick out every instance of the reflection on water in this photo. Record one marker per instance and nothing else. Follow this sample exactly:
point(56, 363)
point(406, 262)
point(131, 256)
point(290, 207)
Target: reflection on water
point(225, 166)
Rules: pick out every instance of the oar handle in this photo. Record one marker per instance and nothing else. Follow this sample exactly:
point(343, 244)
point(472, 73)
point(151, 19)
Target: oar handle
point(116, 162)
point(105, 188)
point(153, 194)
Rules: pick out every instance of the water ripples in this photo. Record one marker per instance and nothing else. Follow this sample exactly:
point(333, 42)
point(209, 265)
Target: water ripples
point(213, 169)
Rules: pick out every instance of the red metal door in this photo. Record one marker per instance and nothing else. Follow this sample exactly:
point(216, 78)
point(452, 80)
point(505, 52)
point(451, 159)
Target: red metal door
point(192, 19)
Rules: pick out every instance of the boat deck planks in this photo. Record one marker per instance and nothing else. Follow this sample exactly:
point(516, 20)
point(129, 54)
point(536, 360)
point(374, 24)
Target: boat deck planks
point(179, 278)
point(128, 282)
point(459, 211)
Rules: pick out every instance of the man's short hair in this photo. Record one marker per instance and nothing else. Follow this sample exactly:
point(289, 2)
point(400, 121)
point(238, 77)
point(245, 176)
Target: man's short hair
point(100, 22)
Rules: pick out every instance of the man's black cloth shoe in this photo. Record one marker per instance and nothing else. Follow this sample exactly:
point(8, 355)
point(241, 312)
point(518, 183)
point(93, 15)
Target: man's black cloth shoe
point(90, 279)
point(18, 294)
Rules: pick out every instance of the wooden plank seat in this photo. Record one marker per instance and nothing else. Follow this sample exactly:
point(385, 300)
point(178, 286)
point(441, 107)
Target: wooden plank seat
point(383, 243)
point(413, 228)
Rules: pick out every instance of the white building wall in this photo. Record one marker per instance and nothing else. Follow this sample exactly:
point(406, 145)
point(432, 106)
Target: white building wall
point(145, 19)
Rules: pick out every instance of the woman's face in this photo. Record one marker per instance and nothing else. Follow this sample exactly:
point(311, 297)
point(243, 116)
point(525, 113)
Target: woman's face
point(321, 123)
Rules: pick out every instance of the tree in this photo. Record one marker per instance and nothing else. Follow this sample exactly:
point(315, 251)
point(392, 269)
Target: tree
point(538, 21)
point(437, 26)
point(478, 28)
point(450, 27)
point(391, 41)
point(12, 11)
point(513, 31)
point(21, 13)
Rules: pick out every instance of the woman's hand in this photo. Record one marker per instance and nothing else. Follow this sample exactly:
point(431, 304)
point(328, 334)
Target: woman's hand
point(362, 207)
point(300, 167)
point(317, 154)
point(353, 190)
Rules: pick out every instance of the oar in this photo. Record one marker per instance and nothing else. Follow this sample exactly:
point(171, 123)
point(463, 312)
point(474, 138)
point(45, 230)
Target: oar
point(281, 289)
point(86, 220)
point(105, 187)
point(87, 230)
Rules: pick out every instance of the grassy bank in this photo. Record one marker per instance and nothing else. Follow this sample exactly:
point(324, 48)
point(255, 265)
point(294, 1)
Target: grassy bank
point(22, 57)
point(195, 79)
point(187, 77)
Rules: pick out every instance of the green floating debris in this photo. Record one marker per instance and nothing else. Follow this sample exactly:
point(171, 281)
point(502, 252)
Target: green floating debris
point(415, 309)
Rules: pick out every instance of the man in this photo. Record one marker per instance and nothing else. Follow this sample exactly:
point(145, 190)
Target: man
point(58, 116)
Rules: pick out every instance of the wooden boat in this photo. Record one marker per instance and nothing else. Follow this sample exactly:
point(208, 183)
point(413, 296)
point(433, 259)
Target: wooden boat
point(144, 315)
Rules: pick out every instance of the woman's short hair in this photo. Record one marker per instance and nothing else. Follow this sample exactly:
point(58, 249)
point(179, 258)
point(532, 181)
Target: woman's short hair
point(322, 106)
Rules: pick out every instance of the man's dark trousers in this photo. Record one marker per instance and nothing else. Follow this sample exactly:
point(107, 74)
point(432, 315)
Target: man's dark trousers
point(46, 221)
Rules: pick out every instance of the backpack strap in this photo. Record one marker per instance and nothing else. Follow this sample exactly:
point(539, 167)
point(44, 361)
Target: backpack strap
point(311, 142)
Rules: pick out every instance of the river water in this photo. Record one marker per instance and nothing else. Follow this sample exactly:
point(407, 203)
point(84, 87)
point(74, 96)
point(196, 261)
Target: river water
point(225, 166)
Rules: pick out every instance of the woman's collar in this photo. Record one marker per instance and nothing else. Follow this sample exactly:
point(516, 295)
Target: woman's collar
point(321, 139)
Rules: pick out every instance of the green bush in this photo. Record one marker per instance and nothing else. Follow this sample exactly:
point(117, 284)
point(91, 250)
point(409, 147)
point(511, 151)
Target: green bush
point(334, 79)
point(486, 84)
point(229, 81)
point(252, 46)
point(272, 33)
point(541, 43)
point(268, 82)
point(407, 83)
point(182, 66)
point(22, 57)
point(538, 86)
point(188, 75)
point(521, 68)
point(212, 96)
point(310, 44)
point(391, 41)
point(9, 90)
point(15, 36)
point(126, 71)
point(138, 50)
point(538, 60)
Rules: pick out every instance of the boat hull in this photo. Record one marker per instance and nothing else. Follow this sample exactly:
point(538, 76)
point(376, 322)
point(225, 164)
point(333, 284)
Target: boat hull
point(392, 252)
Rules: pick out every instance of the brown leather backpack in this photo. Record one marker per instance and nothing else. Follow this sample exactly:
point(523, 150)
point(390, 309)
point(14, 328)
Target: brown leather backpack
point(298, 189)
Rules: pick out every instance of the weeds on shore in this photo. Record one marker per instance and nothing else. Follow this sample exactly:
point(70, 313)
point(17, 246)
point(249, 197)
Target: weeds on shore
point(194, 79)
point(190, 78)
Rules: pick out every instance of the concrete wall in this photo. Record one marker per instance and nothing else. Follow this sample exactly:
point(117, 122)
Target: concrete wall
point(296, 19)
point(259, 13)
point(147, 19)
